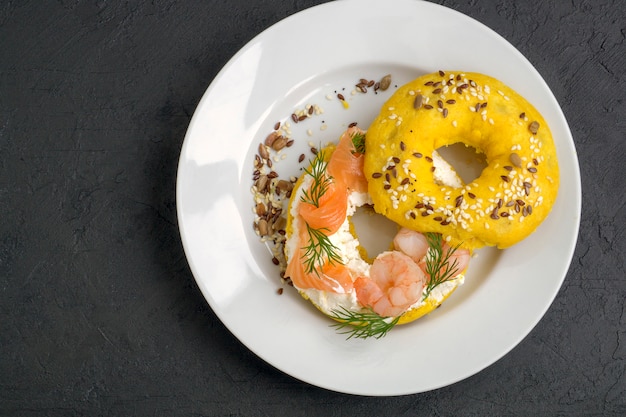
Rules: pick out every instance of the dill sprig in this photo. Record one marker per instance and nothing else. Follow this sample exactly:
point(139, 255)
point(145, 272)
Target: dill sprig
point(362, 325)
point(321, 181)
point(438, 263)
point(319, 249)
point(358, 140)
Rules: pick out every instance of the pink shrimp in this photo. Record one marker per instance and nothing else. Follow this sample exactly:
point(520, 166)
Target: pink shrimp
point(460, 256)
point(415, 245)
point(411, 243)
point(395, 283)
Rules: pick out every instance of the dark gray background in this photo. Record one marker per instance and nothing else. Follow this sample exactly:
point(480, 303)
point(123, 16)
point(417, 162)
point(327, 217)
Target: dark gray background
point(99, 312)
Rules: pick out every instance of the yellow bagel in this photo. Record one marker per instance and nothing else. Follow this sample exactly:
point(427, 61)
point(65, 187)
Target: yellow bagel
point(325, 301)
point(511, 197)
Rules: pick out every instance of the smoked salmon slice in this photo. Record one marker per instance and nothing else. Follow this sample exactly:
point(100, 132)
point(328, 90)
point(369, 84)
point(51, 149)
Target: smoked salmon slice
point(330, 214)
point(332, 277)
point(345, 172)
point(346, 163)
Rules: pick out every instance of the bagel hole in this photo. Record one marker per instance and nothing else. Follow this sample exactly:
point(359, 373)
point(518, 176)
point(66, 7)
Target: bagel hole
point(467, 161)
point(374, 231)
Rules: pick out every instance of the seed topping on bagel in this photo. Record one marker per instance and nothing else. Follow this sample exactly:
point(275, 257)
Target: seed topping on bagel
point(441, 109)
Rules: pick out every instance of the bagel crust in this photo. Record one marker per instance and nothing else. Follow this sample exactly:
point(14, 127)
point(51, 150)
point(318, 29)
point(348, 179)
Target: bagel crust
point(513, 194)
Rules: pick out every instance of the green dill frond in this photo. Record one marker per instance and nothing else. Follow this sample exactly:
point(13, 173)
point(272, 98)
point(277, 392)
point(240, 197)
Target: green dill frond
point(358, 140)
point(321, 181)
point(362, 325)
point(438, 263)
point(319, 249)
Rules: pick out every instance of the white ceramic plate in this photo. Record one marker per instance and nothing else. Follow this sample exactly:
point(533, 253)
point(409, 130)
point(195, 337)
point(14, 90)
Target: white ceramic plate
point(300, 61)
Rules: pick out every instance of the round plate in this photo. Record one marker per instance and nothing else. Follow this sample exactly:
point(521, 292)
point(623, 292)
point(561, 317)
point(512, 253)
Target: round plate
point(309, 58)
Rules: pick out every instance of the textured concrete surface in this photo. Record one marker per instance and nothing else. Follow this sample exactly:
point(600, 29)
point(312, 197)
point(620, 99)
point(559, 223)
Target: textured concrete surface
point(99, 312)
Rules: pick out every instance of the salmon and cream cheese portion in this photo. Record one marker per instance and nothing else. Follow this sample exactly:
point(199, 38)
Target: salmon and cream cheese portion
point(324, 255)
